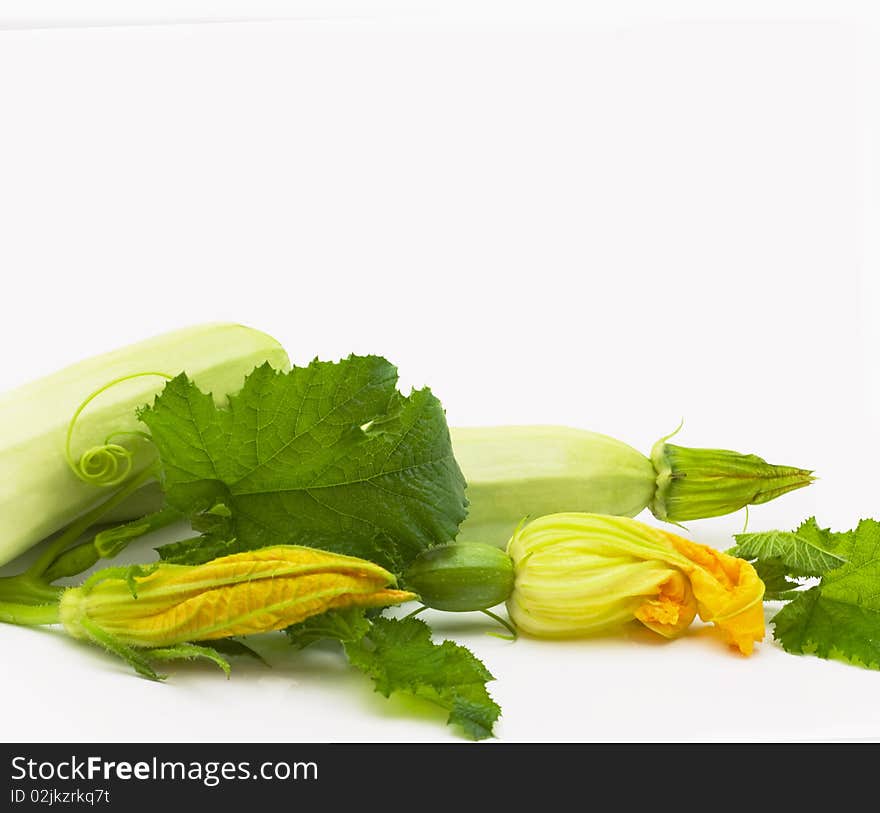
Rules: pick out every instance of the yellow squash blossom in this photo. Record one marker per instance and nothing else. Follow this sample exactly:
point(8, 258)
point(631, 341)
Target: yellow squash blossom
point(257, 591)
point(580, 574)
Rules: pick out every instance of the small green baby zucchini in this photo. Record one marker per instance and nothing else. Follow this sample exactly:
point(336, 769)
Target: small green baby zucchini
point(461, 577)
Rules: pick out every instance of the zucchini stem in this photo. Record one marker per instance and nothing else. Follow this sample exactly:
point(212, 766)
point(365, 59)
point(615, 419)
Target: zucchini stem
point(513, 633)
point(415, 612)
point(107, 544)
point(24, 590)
point(28, 615)
point(76, 529)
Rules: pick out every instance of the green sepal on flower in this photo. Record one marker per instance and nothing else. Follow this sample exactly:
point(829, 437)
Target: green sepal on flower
point(699, 483)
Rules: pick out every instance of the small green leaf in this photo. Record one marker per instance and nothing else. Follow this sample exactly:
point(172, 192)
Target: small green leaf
point(808, 551)
point(347, 625)
point(777, 585)
point(840, 617)
point(400, 656)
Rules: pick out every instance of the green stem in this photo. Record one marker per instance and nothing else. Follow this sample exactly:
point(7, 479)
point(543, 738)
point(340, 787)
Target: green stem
point(79, 527)
point(107, 544)
point(513, 633)
point(24, 590)
point(415, 612)
point(29, 616)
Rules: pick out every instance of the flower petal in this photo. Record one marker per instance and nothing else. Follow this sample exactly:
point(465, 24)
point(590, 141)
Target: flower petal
point(244, 593)
point(728, 592)
point(671, 612)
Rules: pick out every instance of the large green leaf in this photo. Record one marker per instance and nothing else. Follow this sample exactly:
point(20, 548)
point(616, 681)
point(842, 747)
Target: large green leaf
point(330, 455)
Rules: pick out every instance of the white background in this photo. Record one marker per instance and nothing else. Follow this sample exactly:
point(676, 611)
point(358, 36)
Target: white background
point(611, 218)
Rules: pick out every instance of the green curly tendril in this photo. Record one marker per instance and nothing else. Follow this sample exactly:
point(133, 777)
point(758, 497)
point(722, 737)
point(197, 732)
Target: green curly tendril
point(111, 463)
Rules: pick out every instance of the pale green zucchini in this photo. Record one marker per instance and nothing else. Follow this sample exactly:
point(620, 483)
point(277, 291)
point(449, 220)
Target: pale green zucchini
point(519, 472)
point(39, 493)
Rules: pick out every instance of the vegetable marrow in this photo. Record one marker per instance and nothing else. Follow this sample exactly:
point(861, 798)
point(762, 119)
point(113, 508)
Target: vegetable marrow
point(39, 492)
point(514, 472)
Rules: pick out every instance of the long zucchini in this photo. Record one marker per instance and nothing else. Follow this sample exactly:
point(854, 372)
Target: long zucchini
point(515, 472)
point(39, 494)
